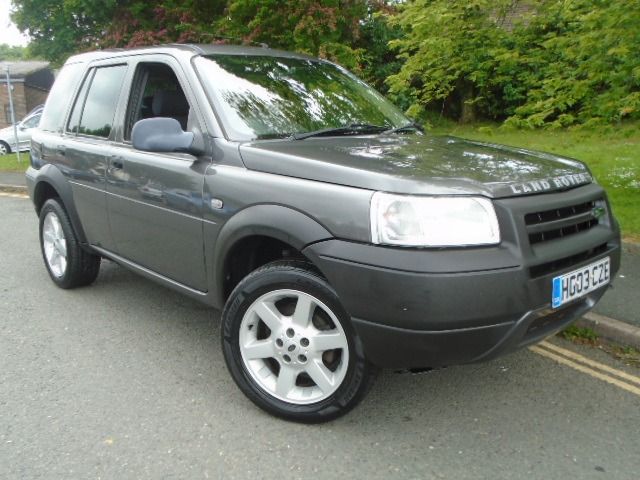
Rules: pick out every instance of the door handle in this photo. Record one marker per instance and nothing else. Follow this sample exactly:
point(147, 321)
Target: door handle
point(61, 150)
point(116, 163)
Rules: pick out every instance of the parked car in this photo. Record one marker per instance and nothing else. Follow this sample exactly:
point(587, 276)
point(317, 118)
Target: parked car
point(25, 130)
point(336, 236)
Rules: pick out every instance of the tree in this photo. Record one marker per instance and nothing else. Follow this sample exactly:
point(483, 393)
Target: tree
point(449, 52)
point(141, 23)
point(59, 28)
point(8, 52)
point(566, 62)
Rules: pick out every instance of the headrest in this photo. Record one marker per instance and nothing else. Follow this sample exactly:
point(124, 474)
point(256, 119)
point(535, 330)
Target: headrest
point(169, 103)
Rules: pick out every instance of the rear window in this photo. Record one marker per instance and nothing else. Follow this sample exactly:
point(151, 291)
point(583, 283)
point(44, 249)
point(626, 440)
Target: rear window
point(60, 97)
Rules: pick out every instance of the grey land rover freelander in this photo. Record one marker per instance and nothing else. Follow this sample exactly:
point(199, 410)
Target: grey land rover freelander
point(335, 236)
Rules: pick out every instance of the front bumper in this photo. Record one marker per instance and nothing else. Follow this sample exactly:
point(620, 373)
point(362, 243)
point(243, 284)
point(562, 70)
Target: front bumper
point(416, 308)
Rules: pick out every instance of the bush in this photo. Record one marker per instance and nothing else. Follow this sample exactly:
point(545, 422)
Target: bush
point(565, 62)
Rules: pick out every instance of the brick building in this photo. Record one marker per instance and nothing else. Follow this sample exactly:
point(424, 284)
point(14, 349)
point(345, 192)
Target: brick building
point(31, 82)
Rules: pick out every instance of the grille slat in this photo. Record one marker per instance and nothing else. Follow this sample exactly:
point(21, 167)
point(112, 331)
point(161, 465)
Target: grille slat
point(561, 222)
point(566, 262)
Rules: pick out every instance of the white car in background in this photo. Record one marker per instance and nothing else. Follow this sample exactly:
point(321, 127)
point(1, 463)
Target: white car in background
point(25, 129)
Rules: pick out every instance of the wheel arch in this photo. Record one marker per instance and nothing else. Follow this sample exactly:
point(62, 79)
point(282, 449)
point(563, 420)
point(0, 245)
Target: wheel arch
point(262, 229)
point(51, 183)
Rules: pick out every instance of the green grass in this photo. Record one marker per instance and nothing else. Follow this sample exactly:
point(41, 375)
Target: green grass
point(574, 333)
point(9, 163)
point(612, 153)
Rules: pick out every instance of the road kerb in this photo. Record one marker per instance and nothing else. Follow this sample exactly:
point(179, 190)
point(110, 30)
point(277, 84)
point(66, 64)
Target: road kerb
point(611, 329)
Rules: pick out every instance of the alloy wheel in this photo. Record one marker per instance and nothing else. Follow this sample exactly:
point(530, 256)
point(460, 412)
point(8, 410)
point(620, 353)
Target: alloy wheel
point(294, 347)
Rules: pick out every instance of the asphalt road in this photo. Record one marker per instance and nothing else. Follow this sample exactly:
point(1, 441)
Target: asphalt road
point(125, 379)
point(622, 302)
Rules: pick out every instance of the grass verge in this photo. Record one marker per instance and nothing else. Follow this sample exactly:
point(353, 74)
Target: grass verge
point(9, 163)
point(612, 154)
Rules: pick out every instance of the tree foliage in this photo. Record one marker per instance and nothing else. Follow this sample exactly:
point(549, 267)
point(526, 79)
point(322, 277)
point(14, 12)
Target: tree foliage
point(8, 52)
point(529, 62)
point(59, 28)
point(566, 62)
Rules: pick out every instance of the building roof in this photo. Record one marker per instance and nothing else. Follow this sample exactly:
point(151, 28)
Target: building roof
point(22, 69)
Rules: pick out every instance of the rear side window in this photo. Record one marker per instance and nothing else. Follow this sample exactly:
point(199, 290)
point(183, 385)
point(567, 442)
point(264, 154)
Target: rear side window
point(74, 118)
point(59, 97)
point(100, 105)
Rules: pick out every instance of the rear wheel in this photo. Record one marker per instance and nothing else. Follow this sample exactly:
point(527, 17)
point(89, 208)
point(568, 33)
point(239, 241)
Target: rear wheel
point(4, 148)
point(290, 346)
point(68, 264)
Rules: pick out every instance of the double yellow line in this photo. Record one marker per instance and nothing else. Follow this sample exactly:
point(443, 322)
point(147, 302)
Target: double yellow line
point(13, 195)
point(613, 376)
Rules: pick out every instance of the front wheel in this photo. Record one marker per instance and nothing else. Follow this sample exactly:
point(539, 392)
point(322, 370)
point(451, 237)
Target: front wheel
point(4, 148)
point(290, 347)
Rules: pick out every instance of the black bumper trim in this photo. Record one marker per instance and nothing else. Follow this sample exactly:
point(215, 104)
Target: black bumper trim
point(392, 347)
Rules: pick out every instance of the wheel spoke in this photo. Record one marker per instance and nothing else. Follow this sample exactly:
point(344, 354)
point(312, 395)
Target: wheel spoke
point(62, 247)
point(304, 311)
point(258, 349)
point(63, 265)
point(47, 234)
point(56, 226)
point(269, 314)
point(321, 375)
point(329, 341)
point(286, 380)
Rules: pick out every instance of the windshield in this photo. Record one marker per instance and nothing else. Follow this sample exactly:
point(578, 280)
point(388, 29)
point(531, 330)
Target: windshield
point(262, 97)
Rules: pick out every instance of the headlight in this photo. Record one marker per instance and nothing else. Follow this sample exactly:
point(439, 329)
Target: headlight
point(420, 221)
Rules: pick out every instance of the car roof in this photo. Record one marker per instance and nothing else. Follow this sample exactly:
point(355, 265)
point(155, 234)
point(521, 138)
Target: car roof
point(191, 48)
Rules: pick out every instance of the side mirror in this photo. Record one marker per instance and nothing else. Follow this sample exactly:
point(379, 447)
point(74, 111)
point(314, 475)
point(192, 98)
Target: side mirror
point(163, 134)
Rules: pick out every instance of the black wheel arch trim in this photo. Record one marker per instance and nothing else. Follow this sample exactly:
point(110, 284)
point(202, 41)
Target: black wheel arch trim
point(51, 175)
point(269, 220)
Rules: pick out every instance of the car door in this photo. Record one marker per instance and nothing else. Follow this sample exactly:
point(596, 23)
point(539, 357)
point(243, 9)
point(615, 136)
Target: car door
point(84, 149)
point(155, 199)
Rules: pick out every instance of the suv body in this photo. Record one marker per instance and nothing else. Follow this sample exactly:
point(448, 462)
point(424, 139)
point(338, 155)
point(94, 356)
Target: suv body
point(230, 210)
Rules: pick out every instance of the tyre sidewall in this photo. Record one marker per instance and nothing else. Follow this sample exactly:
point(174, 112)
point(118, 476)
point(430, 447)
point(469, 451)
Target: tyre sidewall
point(53, 206)
point(264, 280)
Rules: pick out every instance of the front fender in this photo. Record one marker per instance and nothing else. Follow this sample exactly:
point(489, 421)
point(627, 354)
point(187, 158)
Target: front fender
point(281, 223)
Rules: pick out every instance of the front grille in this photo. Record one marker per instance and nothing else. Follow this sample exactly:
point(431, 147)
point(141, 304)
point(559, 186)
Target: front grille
point(562, 222)
point(566, 262)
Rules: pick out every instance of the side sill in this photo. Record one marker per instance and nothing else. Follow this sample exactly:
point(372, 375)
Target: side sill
point(150, 274)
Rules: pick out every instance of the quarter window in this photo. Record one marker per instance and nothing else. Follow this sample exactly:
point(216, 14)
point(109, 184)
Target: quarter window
point(102, 99)
point(59, 97)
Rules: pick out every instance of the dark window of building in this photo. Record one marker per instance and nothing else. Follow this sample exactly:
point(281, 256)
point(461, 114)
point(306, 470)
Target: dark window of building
point(59, 98)
point(102, 99)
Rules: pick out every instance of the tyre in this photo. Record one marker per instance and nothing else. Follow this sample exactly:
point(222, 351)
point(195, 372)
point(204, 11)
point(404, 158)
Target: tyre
point(68, 264)
point(4, 148)
point(290, 346)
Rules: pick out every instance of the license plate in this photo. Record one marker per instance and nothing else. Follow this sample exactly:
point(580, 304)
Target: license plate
point(578, 283)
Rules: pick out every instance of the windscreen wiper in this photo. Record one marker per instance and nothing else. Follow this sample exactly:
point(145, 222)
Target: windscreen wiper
point(405, 128)
point(354, 128)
